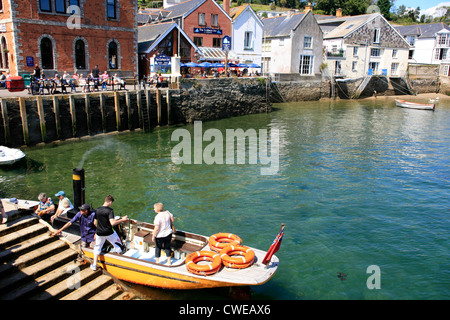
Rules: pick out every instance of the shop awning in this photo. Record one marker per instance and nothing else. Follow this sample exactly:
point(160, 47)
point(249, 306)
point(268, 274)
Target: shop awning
point(214, 54)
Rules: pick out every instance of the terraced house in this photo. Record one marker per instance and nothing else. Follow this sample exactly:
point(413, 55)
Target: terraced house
point(358, 46)
point(68, 35)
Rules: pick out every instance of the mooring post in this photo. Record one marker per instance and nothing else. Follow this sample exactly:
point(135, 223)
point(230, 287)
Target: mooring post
point(78, 187)
point(3, 104)
point(73, 115)
point(57, 119)
point(41, 114)
point(148, 110)
point(158, 107)
point(168, 107)
point(87, 106)
point(128, 103)
point(117, 108)
point(23, 116)
point(102, 110)
point(139, 106)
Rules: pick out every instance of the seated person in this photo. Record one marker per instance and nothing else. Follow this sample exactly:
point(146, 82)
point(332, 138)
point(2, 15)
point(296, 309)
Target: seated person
point(3, 80)
point(46, 207)
point(119, 82)
point(64, 205)
point(104, 77)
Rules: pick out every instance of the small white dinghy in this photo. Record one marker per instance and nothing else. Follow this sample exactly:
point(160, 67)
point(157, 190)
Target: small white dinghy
point(414, 105)
point(10, 155)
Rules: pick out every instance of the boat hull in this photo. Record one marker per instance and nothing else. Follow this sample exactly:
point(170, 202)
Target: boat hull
point(413, 105)
point(177, 277)
point(10, 156)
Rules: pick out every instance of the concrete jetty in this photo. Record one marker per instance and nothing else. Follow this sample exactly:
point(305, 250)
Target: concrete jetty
point(37, 266)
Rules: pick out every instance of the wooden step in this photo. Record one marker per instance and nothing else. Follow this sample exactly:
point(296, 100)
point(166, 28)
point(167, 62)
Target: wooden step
point(20, 276)
point(34, 256)
point(90, 289)
point(22, 235)
point(39, 284)
point(62, 289)
point(108, 293)
point(14, 225)
point(16, 250)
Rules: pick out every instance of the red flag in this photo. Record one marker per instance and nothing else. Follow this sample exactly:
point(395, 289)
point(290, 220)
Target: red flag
point(274, 247)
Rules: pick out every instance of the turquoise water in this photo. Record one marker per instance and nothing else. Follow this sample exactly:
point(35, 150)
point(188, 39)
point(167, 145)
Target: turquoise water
point(360, 183)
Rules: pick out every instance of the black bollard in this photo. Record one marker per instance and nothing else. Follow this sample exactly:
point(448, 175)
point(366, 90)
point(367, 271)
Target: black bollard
point(78, 188)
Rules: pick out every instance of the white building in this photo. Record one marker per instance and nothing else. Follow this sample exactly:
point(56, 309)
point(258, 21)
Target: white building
point(357, 46)
point(292, 44)
point(430, 44)
point(247, 34)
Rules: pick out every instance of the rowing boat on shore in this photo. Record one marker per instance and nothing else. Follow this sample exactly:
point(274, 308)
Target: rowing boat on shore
point(414, 105)
point(137, 263)
point(10, 155)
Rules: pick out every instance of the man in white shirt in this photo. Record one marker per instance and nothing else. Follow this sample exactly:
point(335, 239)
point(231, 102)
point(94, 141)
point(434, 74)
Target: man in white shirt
point(162, 234)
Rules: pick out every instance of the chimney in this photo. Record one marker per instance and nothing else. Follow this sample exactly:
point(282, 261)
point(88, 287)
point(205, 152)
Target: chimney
point(308, 7)
point(226, 6)
point(339, 12)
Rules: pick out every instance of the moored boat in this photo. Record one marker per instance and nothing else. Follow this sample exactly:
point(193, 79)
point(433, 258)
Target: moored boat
point(10, 155)
point(414, 105)
point(137, 263)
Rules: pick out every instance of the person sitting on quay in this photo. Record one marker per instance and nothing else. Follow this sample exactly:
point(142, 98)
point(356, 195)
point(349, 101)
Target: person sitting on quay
point(64, 205)
point(4, 215)
point(86, 218)
point(82, 83)
point(119, 82)
point(104, 77)
point(46, 207)
point(55, 83)
point(44, 83)
point(74, 82)
point(3, 80)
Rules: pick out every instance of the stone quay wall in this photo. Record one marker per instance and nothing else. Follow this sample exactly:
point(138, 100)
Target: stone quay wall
point(42, 119)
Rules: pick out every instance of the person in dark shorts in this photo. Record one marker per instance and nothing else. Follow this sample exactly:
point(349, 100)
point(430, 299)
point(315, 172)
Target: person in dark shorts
point(162, 234)
point(104, 216)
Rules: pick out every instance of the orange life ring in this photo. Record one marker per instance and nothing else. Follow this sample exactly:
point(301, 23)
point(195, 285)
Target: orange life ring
point(204, 269)
point(245, 259)
point(219, 241)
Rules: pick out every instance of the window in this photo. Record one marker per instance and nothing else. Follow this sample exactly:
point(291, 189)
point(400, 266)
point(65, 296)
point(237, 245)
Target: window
point(201, 19)
point(375, 52)
point(446, 70)
point(214, 20)
point(376, 35)
point(306, 64)
point(217, 42)
point(112, 55)
point(441, 54)
point(410, 54)
point(307, 42)
point(267, 45)
point(354, 65)
point(374, 66)
point(443, 39)
point(394, 68)
point(394, 53)
point(80, 55)
point(60, 6)
point(74, 3)
point(281, 43)
point(45, 5)
point(111, 9)
point(248, 37)
point(46, 53)
point(411, 40)
point(4, 59)
point(1, 5)
point(198, 41)
point(355, 51)
point(337, 68)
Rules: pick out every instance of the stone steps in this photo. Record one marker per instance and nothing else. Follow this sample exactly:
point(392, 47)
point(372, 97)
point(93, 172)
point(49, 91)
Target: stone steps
point(37, 266)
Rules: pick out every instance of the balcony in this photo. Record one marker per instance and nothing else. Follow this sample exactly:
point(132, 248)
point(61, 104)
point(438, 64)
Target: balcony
point(335, 54)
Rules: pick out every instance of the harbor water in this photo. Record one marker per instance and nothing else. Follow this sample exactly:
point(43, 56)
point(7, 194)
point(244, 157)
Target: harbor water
point(359, 185)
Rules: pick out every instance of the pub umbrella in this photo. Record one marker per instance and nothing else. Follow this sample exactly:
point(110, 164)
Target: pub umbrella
point(242, 65)
point(205, 65)
point(254, 65)
point(191, 65)
point(218, 65)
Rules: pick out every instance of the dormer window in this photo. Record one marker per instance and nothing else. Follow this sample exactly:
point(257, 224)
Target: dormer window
point(376, 35)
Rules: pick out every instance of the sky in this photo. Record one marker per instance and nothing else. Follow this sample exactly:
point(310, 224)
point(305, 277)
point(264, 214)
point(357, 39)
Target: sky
point(423, 4)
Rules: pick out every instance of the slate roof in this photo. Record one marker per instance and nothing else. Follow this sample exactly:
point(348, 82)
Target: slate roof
point(347, 25)
point(183, 9)
point(422, 30)
point(281, 26)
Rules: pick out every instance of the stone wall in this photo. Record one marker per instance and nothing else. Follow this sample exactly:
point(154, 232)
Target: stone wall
point(212, 99)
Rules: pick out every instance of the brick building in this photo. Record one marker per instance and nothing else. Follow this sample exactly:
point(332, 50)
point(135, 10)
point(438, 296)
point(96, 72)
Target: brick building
point(59, 38)
point(205, 22)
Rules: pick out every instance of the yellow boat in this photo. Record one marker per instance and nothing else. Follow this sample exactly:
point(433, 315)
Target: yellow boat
point(137, 263)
